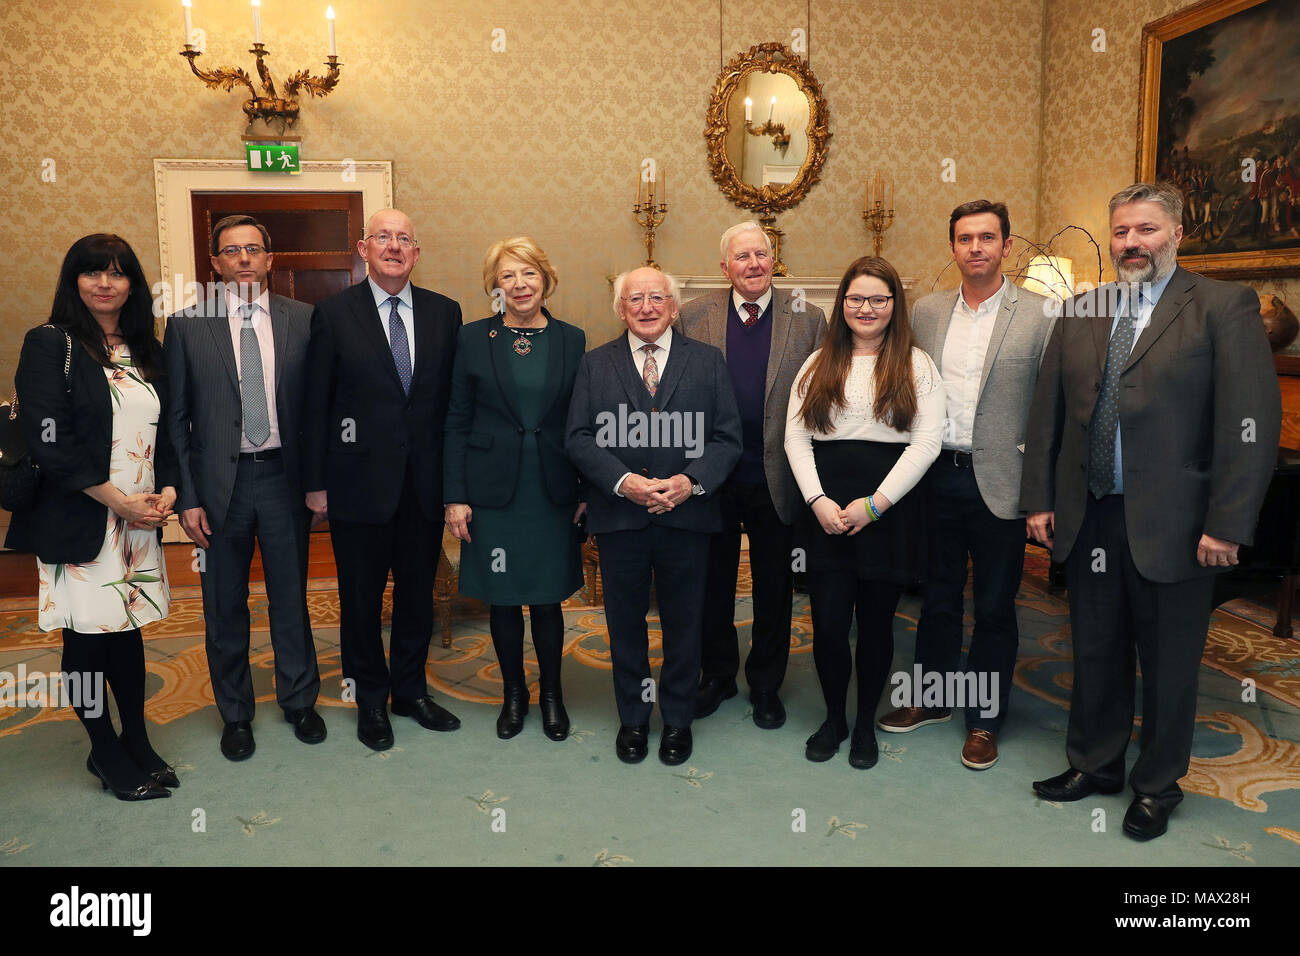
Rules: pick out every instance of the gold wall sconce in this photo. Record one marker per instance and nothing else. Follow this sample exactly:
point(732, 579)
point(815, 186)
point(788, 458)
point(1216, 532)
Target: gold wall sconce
point(268, 105)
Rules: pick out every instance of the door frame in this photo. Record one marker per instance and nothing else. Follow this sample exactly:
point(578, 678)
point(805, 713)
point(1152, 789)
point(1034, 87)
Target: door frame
point(176, 180)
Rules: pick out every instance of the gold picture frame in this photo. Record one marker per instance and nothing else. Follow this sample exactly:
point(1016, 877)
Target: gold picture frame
point(1228, 232)
point(766, 200)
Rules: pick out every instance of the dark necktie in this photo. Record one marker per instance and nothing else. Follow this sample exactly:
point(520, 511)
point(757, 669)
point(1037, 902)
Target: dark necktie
point(650, 369)
point(1105, 416)
point(752, 309)
point(397, 341)
point(252, 384)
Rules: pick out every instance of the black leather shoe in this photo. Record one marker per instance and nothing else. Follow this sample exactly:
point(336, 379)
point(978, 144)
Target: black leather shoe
point(513, 709)
point(166, 777)
point(864, 751)
point(633, 743)
point(825, 744)
point(675, 745)
point(237, 740)
point(1147, 818)
point(555, 719)
point(307, 724)
point(712, 692)
point(769, 712)
point(152, 790)
point(1071, 785)
point(426, 713)
point(373, 728)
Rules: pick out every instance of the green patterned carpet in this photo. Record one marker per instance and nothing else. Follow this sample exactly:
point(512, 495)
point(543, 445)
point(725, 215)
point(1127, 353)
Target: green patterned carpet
point(746, 797)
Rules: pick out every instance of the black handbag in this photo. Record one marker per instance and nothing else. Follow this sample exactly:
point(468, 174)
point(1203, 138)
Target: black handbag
point(20, 476)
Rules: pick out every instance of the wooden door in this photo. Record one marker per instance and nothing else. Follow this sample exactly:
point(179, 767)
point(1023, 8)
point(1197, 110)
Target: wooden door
point(313, 238)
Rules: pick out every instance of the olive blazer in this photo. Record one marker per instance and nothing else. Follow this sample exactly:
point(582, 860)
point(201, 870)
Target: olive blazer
point(70, 434)
point(485, 424)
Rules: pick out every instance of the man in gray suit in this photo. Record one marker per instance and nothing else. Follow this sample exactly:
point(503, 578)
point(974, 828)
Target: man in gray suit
point(765, 334)
point(653, 427)
point(1151, 443)
point(987, 339)
point(236, 371)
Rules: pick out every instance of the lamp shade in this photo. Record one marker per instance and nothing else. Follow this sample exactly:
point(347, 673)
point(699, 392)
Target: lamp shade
point(1051, 276)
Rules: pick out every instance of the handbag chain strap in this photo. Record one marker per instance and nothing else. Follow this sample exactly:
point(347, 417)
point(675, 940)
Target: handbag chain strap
point(67, 372)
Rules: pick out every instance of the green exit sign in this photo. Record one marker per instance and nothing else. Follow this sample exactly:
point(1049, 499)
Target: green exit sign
point(272, 157)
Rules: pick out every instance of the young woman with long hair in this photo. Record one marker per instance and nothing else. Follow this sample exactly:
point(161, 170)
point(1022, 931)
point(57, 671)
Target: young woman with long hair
point(865, 423)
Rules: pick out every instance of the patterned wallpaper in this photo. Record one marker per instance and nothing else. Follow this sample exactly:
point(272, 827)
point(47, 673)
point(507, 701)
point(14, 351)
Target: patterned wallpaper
point(1090, 127)
point(544, 138)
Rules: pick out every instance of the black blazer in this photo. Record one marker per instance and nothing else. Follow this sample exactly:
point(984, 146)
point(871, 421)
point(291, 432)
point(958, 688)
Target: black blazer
point(66, 526)
point(696, 422)
point(361, 434)
point(204, 416)
point(485, 428)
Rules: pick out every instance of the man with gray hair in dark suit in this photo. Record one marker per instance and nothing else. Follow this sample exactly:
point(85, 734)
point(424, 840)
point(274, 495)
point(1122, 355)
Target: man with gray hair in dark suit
point(1151, 442)
point(236, 364)
point(653, 427)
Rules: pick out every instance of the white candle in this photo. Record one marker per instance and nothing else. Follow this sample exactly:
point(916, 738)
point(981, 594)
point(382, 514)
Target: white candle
point(189, 25)
point(749, 110)
point(771, 109)
point(329, 18)
point(257, 21)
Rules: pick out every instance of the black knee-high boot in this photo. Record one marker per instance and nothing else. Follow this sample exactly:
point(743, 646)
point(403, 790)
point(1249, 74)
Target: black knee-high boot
point(506, 623)
point(548, 641)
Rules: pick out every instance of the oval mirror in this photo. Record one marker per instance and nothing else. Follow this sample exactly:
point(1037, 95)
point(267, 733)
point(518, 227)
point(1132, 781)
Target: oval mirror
point(767, 131)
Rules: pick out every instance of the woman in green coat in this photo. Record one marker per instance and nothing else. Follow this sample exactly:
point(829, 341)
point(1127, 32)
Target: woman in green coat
point(511, 493)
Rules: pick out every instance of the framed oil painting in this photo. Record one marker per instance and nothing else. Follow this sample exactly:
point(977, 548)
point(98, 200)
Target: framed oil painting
point(1220, 118)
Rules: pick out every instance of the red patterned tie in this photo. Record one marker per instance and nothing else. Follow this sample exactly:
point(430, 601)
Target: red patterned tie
point(650, 369)
point(752, 309)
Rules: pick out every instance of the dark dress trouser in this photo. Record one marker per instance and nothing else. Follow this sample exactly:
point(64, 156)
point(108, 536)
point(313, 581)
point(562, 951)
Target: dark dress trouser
point(1113, 611)
point(261, 507)
point(770, 562)
point(960, 524)
point(410, 545)
point(627, 561)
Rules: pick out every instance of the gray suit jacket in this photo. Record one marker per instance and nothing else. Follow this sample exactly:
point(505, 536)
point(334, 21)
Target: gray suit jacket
point(204, 416)
point(1020, 335)
point(694, 430)
point(1200, 418)
point(795, 336)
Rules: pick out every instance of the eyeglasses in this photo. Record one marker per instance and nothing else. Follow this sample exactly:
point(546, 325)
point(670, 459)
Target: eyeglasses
point(637, 299)
point(384, 238)
point(253, 249)
point(877, 302)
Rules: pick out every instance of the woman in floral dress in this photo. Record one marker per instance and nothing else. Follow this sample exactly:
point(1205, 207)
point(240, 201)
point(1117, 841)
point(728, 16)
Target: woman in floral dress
point(92, 396)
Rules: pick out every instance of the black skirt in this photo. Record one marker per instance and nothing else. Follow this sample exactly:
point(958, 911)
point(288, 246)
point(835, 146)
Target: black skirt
point(890, 549)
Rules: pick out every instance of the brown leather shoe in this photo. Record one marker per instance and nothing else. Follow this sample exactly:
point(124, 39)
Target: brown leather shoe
point(909, 718)
point(981, 750)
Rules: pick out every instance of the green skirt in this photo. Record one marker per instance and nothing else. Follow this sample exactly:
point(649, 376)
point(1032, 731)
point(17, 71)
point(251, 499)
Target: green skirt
point(529, 551)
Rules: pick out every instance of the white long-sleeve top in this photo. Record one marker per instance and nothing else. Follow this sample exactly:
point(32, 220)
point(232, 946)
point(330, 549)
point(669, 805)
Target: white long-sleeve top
point(858, 421)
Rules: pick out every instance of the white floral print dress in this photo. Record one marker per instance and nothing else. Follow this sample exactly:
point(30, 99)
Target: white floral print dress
point(126, 584)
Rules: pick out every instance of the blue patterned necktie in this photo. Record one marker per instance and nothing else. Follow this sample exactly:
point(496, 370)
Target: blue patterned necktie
point(252, 384)
point(1105, 416)
point(398, 343)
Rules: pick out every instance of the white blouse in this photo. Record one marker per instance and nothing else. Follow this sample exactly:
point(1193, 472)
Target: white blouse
point(857, 421)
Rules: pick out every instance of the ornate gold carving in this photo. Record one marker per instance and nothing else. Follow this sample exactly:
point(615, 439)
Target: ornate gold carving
point(270, 107)
point(766, 200)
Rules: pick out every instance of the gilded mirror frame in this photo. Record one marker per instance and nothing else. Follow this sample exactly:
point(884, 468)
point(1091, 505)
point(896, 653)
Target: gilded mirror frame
point(767, 200)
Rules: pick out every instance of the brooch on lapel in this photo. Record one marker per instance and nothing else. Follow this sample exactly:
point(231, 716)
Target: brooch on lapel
point(492, 334)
